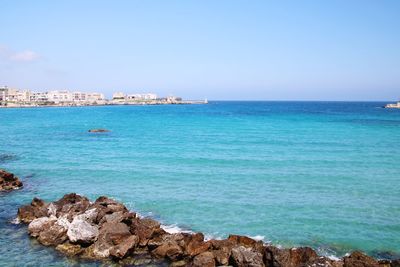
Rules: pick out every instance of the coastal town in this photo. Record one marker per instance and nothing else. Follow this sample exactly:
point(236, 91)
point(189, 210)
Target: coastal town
point(12, 97)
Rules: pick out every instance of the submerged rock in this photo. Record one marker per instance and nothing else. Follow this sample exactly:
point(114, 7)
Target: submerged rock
point(8, 181)
point(98, 131)
point(7, 157)
point(106, 229)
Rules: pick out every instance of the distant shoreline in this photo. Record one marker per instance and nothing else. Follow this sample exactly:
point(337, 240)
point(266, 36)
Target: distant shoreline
point(188, 102)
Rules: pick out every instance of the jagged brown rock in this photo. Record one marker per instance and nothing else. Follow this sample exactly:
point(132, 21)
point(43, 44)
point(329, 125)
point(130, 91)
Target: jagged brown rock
point(36, 209)
point(8, 181)
point(196, 244)
point(359, 259)
point(204, 259)
point(246, 256)
point(290, 257)
point(106, 229)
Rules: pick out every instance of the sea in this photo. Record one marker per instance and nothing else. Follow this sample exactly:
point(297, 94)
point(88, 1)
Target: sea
point(318, 174)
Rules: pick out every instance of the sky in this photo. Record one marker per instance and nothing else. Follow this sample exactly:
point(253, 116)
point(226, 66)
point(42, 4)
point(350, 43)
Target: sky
point(221, 50)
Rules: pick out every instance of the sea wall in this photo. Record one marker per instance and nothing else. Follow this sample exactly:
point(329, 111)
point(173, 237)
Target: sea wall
point(106, 229)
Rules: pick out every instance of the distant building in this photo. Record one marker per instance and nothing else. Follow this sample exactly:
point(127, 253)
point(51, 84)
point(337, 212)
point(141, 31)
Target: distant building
point(12, 95)
point(59, 96)
point(78, 96)
point(17, 98)
point(119, 96)
point(3, 93)
point(9, 96)
point(23, 96)
point(141, 97)
point(94, 97)
point(173, 99)
point(39, 97)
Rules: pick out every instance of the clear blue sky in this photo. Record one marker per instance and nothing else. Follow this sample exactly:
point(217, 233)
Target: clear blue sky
point(271, 50)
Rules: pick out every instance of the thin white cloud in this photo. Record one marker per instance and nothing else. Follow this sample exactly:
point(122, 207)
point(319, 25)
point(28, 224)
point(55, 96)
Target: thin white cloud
point(22, 56)
point(26, 55)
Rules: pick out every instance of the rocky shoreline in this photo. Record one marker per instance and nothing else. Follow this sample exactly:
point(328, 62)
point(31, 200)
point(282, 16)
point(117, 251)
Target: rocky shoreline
point(106, 229)
point(8, 181)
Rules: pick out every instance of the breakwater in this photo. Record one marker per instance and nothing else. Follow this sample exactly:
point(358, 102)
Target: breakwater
point(105, 229)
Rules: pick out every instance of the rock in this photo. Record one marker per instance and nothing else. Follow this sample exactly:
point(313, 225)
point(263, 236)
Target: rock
point(395, 263)
point(106, 206)
point(71, 205)
point(40, 224)
point(81, 231)
point(205, 259)
point(89, 215)
point(170, 250)
point(222, 244)
point(161, 237)
point(359, 259)
point(115, 217)
point(37, 203)
point(63, 221)
point(290, 257)
point(222, 256)
point(246, 257)
point(326, 262)
point(98, 131)
point(180, 263)
point(242, 240)
point(196, 245)
point(9, 181)
point(144, 229)
point(52, 210)
point(36, 209)
point(127, 245)
point(106, 229)
point(53, 236)
point(70, 249)
point(110, 235)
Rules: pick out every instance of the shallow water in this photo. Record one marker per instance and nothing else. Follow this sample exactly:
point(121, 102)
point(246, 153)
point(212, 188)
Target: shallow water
point(322, 174)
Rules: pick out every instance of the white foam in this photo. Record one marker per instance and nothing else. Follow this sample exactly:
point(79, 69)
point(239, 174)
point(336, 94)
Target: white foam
point(174, 229)
point(258, 237)
point(16, 221)
point(332, 257)
point(208, 237)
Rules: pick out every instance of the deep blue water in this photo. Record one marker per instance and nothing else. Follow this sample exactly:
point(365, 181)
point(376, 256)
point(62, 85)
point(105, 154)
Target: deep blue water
point(322, 174)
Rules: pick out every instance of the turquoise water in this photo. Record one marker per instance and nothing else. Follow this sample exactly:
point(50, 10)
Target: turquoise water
point(322, 174)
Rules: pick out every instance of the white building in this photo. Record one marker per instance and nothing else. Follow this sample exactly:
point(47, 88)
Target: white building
point(39, 97)
point(23, 96)
point(94, 97)
point(3, 93)
point(141, 97)
point(12, 95)
point(78, 96)
point(59, 96)
point(15, 96)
